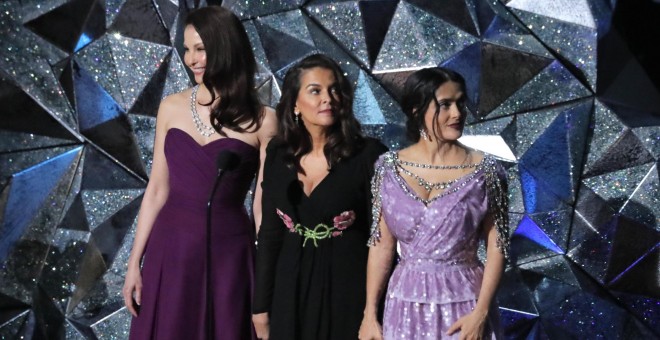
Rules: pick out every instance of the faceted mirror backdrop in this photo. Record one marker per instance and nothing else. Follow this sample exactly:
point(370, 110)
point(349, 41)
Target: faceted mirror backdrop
point(556, 89)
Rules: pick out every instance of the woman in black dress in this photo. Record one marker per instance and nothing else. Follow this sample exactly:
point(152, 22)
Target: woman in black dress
point(311, 253)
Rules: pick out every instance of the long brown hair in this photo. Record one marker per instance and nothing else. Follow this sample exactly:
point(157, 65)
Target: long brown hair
point(230, 69)
point(344, 136)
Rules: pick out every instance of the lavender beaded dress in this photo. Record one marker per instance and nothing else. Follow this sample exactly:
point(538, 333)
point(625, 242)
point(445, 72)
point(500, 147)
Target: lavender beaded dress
point(438, 277)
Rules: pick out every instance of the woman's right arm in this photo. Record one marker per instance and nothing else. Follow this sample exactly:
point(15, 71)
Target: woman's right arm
point(153, 200)
point(379, 264)
point(270, 238)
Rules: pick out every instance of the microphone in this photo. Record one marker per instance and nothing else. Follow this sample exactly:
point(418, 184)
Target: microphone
point(226, 161)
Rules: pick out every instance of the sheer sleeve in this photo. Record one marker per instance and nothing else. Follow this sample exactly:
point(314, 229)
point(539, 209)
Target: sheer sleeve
point(498, 202)
point(376, 198)
point(373, 152)
point(269, 240)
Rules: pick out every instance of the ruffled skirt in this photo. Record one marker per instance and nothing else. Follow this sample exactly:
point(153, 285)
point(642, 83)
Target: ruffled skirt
point(424, 300)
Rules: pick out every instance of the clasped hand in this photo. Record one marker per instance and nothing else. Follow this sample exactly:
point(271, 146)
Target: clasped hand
point(370, 329)
point(471, 326)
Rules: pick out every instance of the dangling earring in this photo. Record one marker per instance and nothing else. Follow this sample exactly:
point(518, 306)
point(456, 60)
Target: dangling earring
point(423, 134)
point(296, 117)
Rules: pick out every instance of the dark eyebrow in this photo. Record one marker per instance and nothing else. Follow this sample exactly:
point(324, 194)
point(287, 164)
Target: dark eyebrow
point(333, 85)
point(459, 98)
point(194, 45)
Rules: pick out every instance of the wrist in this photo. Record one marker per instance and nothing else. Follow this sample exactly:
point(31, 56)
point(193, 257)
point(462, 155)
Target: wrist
point(370, 312)
point(481, 311)
point(133, 263)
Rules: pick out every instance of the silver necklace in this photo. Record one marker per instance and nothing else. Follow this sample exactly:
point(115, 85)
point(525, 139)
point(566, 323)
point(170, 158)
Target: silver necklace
point(429, 186)
point(199, 125)
point(392, 158)
point(439, 167)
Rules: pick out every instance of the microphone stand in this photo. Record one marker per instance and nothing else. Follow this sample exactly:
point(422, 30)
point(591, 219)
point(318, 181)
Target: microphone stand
point(226, 160)
point(209, 296)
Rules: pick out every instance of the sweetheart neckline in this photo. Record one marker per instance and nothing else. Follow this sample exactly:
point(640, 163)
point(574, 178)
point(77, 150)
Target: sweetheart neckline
point(254, 148)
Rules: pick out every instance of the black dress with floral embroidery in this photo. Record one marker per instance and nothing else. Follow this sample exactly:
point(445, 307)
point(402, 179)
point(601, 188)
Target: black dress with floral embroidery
point(315, 291)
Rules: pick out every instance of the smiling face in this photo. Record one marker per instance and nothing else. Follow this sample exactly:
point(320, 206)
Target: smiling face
point(317, 98)
point(451, 116)
point(195, 54)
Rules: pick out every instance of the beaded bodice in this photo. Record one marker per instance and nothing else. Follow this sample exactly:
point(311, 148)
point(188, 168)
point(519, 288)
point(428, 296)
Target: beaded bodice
point(467, 200)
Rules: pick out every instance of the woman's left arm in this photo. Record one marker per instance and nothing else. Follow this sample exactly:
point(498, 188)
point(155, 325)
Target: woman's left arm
point(472, 325)
point(267, 130)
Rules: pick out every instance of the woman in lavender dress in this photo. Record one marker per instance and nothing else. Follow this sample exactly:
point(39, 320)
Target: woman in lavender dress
point(436, 198)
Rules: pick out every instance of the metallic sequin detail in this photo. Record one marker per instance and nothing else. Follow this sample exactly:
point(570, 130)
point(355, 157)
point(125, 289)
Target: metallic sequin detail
point(496, 189)
point(498, 204)
point(463, 181)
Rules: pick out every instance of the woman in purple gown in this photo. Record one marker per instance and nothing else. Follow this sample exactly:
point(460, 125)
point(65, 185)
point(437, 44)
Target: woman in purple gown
point(168, 297)
point(437, 199)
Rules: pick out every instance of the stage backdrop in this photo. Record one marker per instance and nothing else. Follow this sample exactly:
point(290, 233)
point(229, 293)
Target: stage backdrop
point(554, 89)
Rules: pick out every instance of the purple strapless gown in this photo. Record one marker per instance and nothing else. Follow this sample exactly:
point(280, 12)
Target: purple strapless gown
point(438, 277)
point(174, 269)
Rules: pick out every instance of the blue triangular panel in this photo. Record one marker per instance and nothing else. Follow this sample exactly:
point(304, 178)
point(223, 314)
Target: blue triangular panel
point(517, 323)
point(467, 63)
point(529, 230)
point(508, 33)
point(365, 104)
point(536, 195)
point(94, 105)
point(83, 41)
point(548, 159)
point(29, 190)
point(555, 82)
point(578, 119)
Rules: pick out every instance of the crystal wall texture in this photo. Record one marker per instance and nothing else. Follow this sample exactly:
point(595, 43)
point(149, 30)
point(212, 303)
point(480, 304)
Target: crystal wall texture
point(555, 92)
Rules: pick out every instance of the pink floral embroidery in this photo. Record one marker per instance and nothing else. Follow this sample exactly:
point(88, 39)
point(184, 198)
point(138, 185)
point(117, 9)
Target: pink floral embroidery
point(288, 222)
point(321, 231)
point(344, 220)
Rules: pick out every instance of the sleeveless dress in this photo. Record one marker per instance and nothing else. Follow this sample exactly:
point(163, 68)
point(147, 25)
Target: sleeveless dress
point(174, 272)
point(438, 276)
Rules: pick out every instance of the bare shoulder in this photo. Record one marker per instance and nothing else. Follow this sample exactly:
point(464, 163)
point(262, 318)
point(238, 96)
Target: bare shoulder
point(268, 123)
point(476, 155)
point(173, 105)
point(406, 152)
point(175, 102)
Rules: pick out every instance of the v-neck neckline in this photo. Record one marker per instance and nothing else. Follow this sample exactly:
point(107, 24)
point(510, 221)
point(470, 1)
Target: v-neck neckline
point(302, 186)
point(408, 189)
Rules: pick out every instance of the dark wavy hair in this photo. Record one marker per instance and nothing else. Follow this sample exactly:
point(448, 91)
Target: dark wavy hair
point(344, 137)
point(418, 93)
point(230, 68)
